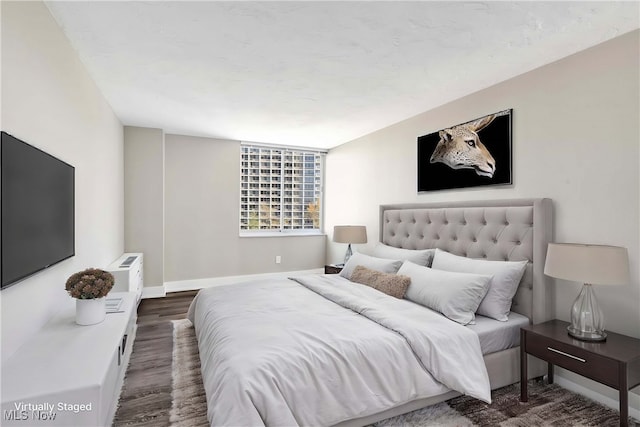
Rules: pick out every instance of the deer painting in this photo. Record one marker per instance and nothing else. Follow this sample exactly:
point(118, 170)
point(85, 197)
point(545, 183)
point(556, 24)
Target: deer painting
point(460, 148)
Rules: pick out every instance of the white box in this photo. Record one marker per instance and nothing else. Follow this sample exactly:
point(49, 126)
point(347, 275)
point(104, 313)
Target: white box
point(128, 274)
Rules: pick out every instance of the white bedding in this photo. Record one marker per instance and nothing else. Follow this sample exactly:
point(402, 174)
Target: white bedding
point(495, 335)
point(278, 353)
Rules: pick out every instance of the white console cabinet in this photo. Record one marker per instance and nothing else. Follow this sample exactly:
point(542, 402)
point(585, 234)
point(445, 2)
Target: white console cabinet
point(70, 375)
point(128, 274)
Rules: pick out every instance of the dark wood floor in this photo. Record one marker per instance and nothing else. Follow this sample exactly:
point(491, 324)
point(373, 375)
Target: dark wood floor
point(145, 400)
point(172, 307)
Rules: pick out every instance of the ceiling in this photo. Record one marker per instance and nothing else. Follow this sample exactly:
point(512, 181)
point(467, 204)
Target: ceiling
point(316, 74)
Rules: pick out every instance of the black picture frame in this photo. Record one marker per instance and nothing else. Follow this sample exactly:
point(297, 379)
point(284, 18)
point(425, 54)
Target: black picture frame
point(453, 157)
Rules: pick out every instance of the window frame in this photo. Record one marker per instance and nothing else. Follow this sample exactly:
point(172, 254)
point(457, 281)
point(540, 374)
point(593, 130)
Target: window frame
point(281, 231)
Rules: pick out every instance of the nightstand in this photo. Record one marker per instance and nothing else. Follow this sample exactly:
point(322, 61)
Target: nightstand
point(614, 362)
point(333, 268)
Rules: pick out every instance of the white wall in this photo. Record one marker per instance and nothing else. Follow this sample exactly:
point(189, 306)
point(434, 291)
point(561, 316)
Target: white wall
point(576, 140)
point(202, 218)
point(49, 101)
point(144, 199)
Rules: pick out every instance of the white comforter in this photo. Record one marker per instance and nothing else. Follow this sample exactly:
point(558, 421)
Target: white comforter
point(278, 353)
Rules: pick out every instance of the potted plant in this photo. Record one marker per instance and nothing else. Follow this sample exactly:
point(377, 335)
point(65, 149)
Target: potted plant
point(90, 287)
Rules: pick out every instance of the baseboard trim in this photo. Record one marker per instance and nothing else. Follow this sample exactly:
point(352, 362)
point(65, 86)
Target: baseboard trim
point(153, 292)
point(599, 397)
point(195, 284)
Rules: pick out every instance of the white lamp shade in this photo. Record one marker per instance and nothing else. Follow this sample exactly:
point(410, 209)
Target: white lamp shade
point(593, 264)
point(350, 234)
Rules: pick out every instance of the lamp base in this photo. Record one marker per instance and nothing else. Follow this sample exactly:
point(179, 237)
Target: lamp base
point(586, 336)
point(348, 254)
point(587, 322)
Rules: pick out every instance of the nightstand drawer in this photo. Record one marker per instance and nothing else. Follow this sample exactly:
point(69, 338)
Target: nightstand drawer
point(594, 366)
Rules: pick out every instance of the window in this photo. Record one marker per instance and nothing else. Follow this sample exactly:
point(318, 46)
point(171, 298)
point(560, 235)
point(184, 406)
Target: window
point(280, 189)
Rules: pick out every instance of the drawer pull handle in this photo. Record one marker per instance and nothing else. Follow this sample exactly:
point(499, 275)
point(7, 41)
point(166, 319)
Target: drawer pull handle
point(566, 354)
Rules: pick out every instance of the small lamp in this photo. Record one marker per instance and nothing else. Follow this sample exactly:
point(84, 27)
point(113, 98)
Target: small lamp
point(591, 265)
point(349, 234)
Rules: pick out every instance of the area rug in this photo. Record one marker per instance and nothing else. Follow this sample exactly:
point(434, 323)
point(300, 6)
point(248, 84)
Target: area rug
point(549, 405)
point(189, 405)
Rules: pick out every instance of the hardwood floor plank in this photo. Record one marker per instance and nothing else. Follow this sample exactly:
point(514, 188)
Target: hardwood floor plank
point(146, 395)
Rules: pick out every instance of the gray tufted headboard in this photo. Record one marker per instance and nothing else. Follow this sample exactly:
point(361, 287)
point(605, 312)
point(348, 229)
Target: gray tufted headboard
point(506, 230)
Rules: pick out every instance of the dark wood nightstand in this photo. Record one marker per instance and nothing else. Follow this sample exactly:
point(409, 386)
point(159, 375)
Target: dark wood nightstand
point(614, 362)
point(333, 269)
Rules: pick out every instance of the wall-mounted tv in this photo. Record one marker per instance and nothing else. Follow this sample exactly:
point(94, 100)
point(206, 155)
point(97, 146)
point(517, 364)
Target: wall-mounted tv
point(37, 207)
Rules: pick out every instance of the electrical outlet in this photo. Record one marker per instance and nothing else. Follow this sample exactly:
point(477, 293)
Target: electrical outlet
point(278, 259)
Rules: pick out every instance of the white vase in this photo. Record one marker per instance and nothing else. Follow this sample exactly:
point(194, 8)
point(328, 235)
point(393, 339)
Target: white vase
point(90, 311)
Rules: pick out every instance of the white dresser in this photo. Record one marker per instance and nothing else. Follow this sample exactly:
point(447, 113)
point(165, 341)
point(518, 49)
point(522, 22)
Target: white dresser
point(128, 274)
point(70, 375)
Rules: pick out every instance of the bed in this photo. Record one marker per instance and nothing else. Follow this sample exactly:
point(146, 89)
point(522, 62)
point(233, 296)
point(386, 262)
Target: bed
point(320, 350)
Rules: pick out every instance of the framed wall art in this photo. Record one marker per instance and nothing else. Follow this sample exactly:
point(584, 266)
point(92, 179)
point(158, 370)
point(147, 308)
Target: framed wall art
point(472, 154)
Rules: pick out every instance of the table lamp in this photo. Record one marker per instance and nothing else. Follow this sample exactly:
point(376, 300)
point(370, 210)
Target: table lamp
point(591, 265)
point(349, 234)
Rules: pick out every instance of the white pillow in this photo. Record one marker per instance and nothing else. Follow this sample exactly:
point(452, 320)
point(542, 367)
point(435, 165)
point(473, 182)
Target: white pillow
point(456, 295)
point(416, 256)
point(503, 286)
point(378, 264)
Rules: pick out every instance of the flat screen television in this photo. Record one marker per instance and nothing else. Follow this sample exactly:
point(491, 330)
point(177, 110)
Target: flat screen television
point(37, 208)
